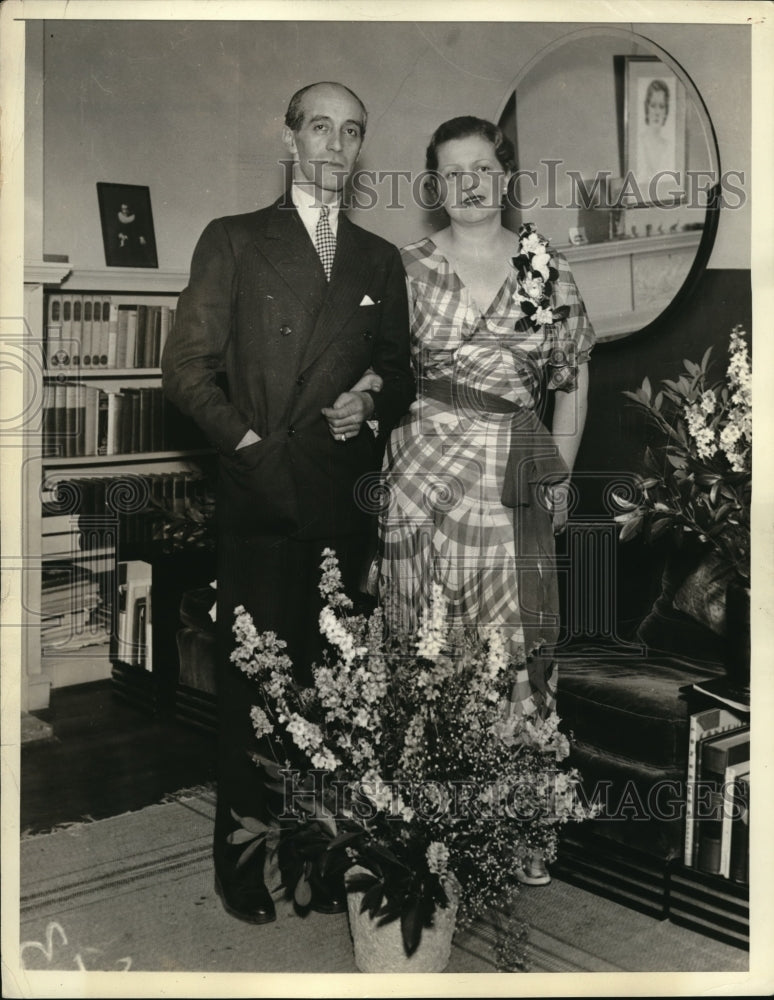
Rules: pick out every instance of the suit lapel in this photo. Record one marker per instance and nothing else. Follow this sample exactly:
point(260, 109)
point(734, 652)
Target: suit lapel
point(286, 245)
point(352, 268)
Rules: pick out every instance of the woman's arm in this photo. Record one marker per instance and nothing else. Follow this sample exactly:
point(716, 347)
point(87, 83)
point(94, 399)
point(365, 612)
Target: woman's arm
point(567, 429)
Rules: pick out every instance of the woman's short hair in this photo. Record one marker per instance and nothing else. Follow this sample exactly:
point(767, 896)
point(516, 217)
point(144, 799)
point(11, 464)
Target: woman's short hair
point(464, 127)
point(653, 87)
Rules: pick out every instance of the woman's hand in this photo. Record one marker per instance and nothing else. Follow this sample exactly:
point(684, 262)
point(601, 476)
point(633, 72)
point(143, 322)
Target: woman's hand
point(557, 497)
point(368, 380)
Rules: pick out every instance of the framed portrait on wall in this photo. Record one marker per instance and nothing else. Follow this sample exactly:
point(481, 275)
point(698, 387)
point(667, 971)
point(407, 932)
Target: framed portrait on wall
point(654, 131)
point(127, 225)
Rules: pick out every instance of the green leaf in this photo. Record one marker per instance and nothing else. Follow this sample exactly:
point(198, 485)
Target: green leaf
point(411, 928)
point(677, 461)
point(254, 825)
point(360, 881)
point(631, 529)
point(249, 851)
point(373, 898)
point(342, 839)
point(647, 389)
point(303, 892)
point(659, 527)
point(658, 400)
point(242, 836)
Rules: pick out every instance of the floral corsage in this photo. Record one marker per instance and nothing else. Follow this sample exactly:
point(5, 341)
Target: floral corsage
point(536, 276)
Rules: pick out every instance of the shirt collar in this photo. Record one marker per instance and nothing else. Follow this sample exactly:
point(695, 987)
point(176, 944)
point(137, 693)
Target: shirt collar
point(308, 206)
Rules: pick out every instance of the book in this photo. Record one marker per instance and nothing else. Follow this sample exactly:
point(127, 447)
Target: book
point(53, 332)
point(71, 419)
point(133, 642)
point(102, 334)
point(91, 419)
point(740, 833)
point(723, 690)
point(48, 429)
point(65, 352)
point(165, 325)
point(131, 337)
point(80, 419)
point(717, 753)
point(701, 726)
point(142, 335)
point(112, 344)
point(108, 332)
point(735, 811)
point(88, 330)
point(76, 331)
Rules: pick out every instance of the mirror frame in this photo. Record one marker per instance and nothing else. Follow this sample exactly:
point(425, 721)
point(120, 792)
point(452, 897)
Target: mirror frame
point(709, 232)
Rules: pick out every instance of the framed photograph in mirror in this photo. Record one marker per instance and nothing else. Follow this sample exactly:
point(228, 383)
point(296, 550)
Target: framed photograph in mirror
point(654, 132)
point(127, 225)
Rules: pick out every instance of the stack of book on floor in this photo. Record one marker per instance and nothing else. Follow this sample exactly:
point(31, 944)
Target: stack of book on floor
point(70, 605)
point(717, 823)
point(709, 892)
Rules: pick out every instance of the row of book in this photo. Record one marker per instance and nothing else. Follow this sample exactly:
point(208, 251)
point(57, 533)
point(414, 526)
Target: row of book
point(718, 803)
point(134, 512)
point(93, 331)
point(81, 419)
point(73, 612)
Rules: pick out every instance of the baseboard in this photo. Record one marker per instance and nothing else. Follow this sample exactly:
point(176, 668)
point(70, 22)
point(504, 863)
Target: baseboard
point(625, 876)
point(712, 905)
point(196, 708)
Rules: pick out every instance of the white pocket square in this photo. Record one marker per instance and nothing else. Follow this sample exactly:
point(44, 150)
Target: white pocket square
point(367, 301)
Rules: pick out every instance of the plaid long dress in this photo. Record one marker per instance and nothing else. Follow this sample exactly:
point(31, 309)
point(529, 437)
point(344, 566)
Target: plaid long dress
point(443, 520)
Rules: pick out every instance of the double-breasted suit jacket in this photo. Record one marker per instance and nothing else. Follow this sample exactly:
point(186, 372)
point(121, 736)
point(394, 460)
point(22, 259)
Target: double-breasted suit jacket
point(259, 310)
point(263, 341)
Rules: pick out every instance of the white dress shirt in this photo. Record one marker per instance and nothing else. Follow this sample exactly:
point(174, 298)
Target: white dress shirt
point(308, 205)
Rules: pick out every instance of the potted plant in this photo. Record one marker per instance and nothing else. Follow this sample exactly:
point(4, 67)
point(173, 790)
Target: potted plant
point(698, 486)
point(417, 781)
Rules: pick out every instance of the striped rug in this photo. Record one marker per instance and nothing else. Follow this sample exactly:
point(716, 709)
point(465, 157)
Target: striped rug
point(135, 893)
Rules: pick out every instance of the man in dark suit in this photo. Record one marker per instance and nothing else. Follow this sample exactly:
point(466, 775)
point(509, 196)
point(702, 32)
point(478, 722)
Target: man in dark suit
point(285, 309)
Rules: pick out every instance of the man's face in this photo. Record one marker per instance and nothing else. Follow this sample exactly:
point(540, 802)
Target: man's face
point(327, 144)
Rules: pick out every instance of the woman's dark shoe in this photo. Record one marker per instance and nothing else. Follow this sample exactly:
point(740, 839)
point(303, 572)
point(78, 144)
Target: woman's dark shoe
point(252, 904)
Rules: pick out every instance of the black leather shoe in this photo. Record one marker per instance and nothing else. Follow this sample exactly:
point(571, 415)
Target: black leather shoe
point(328, 895)
point(328, 904)
point(252, 904)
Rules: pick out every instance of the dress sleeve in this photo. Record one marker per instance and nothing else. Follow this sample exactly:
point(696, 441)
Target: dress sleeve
point(572, 340)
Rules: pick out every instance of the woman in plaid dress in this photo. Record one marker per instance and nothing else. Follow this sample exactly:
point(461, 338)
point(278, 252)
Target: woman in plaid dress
point(475, 479)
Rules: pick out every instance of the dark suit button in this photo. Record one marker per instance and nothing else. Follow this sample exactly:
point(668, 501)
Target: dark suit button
point(291, 431)
point(285, 331)
point(367, 334)
point(300, 380)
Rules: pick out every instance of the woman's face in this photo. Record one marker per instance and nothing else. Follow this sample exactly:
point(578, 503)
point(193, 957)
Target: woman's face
point(471, 178)
point(657, 108)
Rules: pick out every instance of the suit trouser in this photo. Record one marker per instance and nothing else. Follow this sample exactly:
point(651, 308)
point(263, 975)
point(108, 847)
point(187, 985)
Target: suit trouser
point(276, 579)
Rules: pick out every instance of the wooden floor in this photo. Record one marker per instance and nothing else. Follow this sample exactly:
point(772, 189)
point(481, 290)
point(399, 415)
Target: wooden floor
point(106, 758)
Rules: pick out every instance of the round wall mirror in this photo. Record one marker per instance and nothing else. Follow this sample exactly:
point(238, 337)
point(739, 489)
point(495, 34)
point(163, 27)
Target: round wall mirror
point(618, 167)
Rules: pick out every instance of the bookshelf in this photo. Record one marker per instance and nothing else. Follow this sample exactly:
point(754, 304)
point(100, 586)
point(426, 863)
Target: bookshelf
point(108, 461)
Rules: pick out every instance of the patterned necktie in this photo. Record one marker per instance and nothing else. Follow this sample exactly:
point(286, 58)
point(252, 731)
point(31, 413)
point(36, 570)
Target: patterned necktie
point(325, 241)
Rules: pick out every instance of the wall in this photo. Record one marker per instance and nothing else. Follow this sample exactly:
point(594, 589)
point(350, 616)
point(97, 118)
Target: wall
point(194, 111)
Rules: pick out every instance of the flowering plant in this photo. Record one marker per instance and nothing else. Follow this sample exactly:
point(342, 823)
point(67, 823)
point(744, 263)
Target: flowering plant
point(419, 773)
point(701, 473)
point(536, 275)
